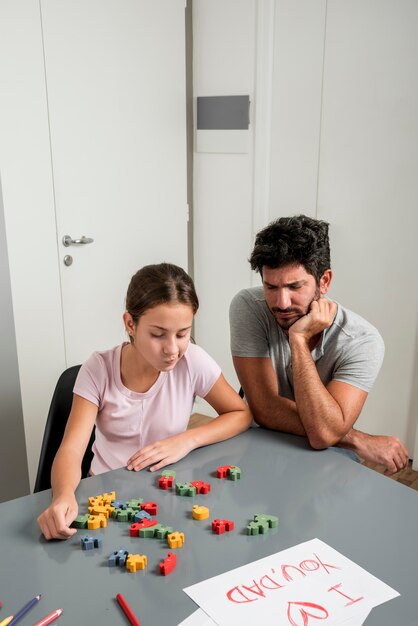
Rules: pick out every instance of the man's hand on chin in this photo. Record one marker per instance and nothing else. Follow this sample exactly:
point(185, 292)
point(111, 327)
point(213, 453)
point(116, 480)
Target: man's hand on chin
point(321, 315)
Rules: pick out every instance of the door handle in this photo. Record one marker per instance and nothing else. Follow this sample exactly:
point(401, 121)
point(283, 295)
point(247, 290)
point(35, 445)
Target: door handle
point(68, 241)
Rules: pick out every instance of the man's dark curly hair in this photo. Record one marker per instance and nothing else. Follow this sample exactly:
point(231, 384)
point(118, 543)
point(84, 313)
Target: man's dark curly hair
point(293, 240)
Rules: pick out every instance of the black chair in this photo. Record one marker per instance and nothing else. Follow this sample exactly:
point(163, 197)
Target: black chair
point(54, 429)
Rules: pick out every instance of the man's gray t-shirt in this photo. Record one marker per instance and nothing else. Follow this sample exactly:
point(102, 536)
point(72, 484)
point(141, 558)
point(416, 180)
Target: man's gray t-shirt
point(351, 350)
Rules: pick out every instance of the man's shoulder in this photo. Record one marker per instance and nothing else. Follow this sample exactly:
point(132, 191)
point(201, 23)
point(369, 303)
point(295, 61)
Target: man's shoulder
point(250, 295)
point(356, 327)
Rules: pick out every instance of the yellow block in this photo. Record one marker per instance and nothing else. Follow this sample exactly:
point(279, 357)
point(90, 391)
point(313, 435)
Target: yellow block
point(200, 512)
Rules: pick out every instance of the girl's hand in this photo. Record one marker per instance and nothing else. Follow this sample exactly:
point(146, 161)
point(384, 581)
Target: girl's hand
point(55, 521)
point(161, 453)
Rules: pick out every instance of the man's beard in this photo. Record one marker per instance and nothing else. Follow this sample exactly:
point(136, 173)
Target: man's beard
point(299, 312)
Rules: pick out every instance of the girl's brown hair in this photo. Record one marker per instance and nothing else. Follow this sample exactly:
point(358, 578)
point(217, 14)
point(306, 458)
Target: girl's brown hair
point(159, 284)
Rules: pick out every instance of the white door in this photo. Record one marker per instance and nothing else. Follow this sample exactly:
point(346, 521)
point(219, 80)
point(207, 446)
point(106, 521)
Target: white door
point(115, 79)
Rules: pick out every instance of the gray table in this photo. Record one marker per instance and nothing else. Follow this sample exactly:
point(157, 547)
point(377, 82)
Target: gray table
point(365, 516)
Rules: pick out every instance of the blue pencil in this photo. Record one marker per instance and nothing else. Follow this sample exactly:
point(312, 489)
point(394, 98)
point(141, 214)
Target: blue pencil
point(25, 609)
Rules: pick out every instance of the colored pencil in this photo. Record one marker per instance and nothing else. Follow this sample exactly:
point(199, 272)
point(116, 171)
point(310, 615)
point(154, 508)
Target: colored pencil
point(50, 618)
point(6, 621)
point(25, 609)
point(131, 617)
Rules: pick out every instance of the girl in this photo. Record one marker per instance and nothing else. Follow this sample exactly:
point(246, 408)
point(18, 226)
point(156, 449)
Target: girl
point(140, 394)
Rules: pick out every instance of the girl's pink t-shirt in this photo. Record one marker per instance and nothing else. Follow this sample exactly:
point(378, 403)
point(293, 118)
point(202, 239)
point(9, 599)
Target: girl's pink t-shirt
point(126, 420)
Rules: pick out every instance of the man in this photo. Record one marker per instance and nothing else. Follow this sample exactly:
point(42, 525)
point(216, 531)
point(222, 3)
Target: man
point(305, 363)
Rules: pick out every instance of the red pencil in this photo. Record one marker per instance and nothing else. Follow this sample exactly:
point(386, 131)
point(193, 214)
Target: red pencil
point(131, 617)
point(49, 618)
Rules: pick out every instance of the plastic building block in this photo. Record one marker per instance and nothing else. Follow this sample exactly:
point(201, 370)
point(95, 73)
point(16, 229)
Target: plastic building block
point(222, 470)
point(140, 515)
point(135, 504)
point(175, 540)
point(185, 489)
point(134, 530)
point(168, 473)
point(271, 520)
point(99, 510)
point(102, 499)
point(88, 542)
point(149, 507)
point(166, 482)
point(200, 512)
point(119, 504)
point(134, 562)
point(234, 473)
point(109, 497)
point(80, 521)
point(261, 524)
point(146, 523)
point(201, 487)
point(118, 558)
point(229, 471)
point(257, 528)
point(161, 532)
point(219, 526)
point(96, 521)
point(95, 501)
point(168, 564)
point(123, 515)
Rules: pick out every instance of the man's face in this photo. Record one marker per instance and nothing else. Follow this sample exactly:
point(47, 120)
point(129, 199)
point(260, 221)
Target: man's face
point(290, 290)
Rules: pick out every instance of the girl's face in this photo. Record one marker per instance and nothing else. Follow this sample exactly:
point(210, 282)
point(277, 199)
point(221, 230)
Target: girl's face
point(162, 334)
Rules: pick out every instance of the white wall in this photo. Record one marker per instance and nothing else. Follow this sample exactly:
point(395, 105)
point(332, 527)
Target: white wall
point(344, 147)
point(224, 64)
point(368, 188)
point(25, 168)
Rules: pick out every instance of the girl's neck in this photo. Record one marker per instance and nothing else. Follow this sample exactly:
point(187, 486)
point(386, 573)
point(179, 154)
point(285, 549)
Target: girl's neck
point(136, 374)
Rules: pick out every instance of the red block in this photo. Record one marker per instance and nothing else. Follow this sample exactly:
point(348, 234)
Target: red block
point(222, 470)
point(168, 564)
point(219, 526)
point(150, 507)
point(146, 523)
point(201, 487)
point(134, 530)
point(166, 482)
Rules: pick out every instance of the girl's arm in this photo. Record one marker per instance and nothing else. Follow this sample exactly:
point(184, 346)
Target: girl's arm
point(233, 418)
point(55, 521)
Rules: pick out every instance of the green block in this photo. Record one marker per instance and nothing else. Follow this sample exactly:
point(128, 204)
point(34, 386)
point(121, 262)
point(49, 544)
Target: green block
point(131, 513)
point(134, 504)
point(123, 515)
point(168, 473)
point(185, 489)
point(147, 532)
point(252, 529)
point(271, 520)
point(80, 521)
point(234, 473)
point(161, 531)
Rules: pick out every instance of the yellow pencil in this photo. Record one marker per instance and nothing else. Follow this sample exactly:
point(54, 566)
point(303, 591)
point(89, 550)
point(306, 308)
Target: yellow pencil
point(6, 621)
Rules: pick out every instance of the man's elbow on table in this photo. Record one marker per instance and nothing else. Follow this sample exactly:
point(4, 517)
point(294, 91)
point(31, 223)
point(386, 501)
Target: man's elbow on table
point(322, 439)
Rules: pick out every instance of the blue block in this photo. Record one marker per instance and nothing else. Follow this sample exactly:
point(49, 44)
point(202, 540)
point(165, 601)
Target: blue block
point(118, 558)
point(140, 515)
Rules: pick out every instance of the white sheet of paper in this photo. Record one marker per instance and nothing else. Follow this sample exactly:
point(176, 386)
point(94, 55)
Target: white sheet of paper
point(298, 586)
point(200, 618)
point(358, 620)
